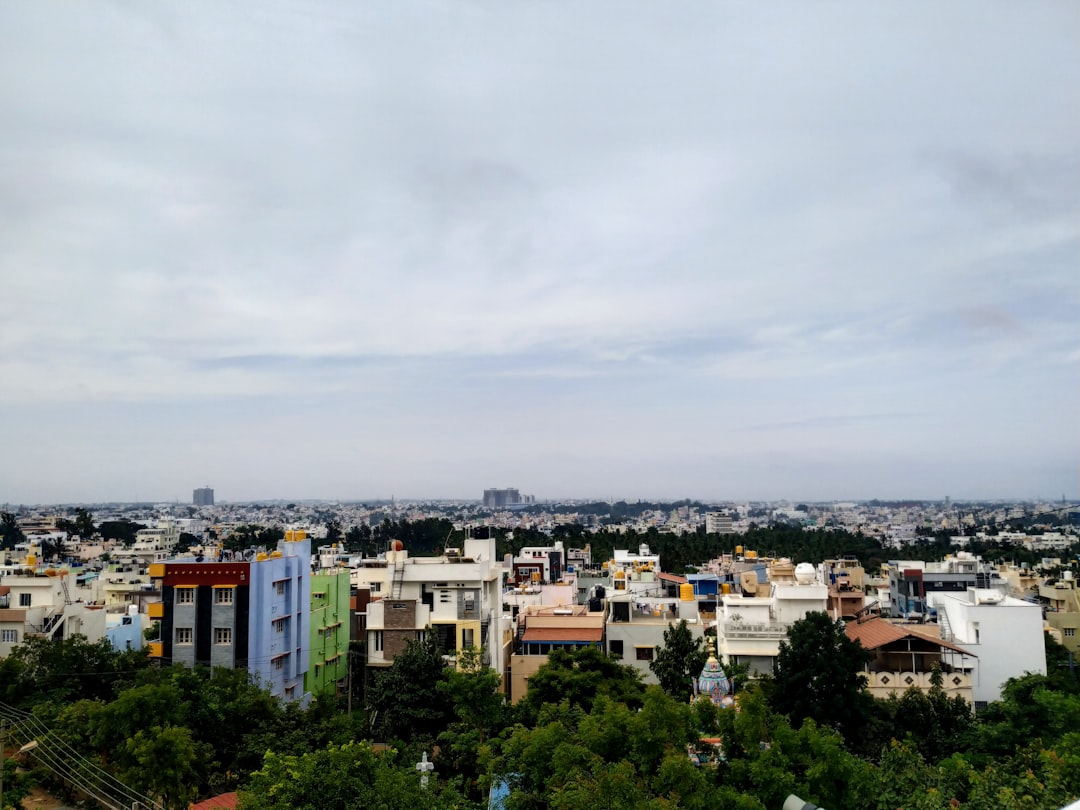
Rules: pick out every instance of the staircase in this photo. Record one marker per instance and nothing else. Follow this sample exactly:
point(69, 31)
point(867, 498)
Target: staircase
point(868, 612)
point(399, 578)
point(944, 626)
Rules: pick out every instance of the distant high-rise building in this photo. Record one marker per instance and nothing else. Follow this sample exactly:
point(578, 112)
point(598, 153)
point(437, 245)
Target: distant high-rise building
point(718, 523)
point(203, 496)
point(498, 498)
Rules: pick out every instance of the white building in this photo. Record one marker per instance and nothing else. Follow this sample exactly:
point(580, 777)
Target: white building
point(718, 523)
point(750, 628)
point(457, 595)
point(1004, 632)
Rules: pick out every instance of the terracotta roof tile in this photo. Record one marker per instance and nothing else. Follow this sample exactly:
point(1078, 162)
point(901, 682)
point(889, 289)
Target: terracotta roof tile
point(583, 634)
point(877, 633)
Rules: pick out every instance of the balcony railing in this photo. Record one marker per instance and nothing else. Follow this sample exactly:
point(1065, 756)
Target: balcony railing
point(747, 630)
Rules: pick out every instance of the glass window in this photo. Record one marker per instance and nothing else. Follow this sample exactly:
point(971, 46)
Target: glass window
point(280, 587)
point(184, 635)
point(616, 648)
point(185, 596)
point(644, 653)
point(223, 635)
point(223, 596)
point(1070, 632)
point(9, 636)
point(24, 600)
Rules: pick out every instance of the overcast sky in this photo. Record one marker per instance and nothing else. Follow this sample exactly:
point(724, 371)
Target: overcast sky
point(627, 249)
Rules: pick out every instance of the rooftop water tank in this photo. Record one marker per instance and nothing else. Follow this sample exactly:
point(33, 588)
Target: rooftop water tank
point(805, 574)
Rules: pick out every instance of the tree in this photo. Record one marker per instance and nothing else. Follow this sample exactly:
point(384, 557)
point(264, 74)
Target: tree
point(122, 530)
point(341, 778)
point(679, 661)
point(10, 531)
point(165, 763)
point(333, 531)
point(580, 677)
point(818, 675)
point(82, 526)
point(17, 785)
point(404, 700)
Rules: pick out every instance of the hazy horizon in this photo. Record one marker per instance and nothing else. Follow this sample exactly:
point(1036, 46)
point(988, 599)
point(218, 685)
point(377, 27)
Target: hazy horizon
point(746, 250)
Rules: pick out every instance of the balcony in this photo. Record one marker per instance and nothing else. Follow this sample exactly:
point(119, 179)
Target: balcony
point(156, 610)
point(745, 630)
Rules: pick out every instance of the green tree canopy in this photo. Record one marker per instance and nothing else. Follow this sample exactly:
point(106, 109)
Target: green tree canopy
point(342, 778)
point(818, 675)
point(679, 661)
point(405, 701)
point(579, 677)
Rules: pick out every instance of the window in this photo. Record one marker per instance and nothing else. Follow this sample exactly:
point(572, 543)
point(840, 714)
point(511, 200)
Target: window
point(279, 587)
point(9, 636)
point(376, 640)
point(24, 600)
point(185, 596)
point(279, 625)
point(644, 653)
point(616, 648)
point(279, 662)
point(1070, 632)
point(223, 596)
point(223, 635)
point(184, 635)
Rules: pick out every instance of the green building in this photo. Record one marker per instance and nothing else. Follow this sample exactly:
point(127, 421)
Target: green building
point(329, 661)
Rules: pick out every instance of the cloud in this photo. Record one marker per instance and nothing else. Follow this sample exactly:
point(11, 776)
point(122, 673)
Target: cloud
point(601, 226)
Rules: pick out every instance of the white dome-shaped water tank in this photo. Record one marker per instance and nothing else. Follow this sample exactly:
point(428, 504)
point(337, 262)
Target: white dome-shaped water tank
point(804, 573)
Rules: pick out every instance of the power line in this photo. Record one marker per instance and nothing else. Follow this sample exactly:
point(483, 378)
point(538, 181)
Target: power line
point(60, 761)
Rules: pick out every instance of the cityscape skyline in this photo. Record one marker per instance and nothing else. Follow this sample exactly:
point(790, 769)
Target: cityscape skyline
point(605, 251)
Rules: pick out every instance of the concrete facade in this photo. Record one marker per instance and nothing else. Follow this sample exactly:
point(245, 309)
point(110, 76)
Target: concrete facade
point(1005, 633)
point(330, 632)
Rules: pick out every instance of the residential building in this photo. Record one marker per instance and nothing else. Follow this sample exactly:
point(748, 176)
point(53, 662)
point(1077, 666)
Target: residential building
point(912, 582)
point(457, 595)
point(203, 496)
point(1003, 633)
point(749, 629)
point(719, 523)
point(330, 632)
point(542, 629)
point(1062, 602)
point(499, 498)
point(905, 655)
point(252, 614)
point(637, 621)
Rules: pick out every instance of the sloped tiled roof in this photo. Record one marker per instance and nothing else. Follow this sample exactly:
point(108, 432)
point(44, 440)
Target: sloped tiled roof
point(589, 634)
point(877, 632)
point(666, 577)
point(225, 800)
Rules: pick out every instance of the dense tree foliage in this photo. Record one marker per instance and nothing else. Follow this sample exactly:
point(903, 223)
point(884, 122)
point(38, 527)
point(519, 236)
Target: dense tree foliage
point(10, 531)
point(679, 661)
point(587, 734)
point(122, 530)
point(579, 678)
point(818, 675)
point(252, 535)
point(342, 778)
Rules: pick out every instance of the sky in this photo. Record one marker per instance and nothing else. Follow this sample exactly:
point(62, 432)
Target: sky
point(620, 249)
